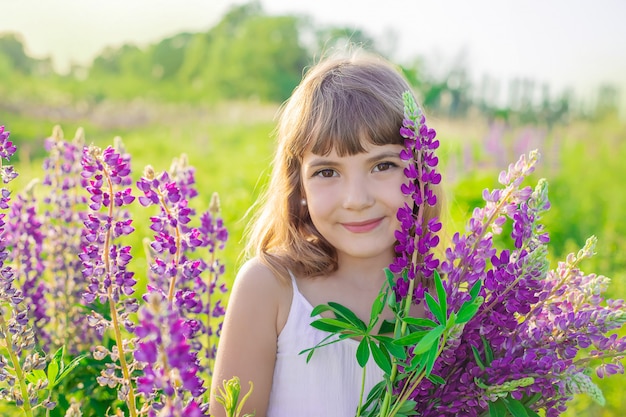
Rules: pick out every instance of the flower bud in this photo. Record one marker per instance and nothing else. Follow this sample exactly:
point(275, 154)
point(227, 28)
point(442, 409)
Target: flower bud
point(214, 206)
point(57, 133)
point(148, 172)
point(100, 352)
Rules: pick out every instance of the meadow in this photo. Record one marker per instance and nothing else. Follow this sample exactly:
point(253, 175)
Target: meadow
point(230, 145)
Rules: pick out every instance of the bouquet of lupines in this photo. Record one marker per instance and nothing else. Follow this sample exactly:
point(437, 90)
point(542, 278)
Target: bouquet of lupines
point(503, 335)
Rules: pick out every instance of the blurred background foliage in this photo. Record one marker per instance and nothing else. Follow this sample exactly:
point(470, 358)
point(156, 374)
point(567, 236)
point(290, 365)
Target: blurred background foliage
point(214, 95)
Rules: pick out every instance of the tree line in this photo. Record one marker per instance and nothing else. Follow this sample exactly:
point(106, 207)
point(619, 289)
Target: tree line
point(250, 54)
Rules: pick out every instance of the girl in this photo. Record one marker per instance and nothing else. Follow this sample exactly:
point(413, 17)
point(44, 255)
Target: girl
point(324, 232)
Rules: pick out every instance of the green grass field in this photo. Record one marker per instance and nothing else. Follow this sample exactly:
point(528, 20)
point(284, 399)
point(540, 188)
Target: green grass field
point(231, 148)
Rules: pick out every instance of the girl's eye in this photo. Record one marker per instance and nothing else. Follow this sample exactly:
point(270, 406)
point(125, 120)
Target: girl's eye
point(326, 173)
point(384, 166)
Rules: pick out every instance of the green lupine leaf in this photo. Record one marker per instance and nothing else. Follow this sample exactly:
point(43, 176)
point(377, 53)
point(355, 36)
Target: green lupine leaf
point(58, 355)
point(348, 314)
point(515, 407)
point(363, 353)
point(434, 308)
point(322, 308)
point(387, 326)
point(334, 323)
point(391, 277)
point(479, 361)
point(532, 399)
point(475, 289)
point(497, 409)
point(431, 358)
point(407, 408)
point(488, 351)
point(35, 375)
point(421, 322)
point(378, 306)
point(411, 338)
point(393, 304)
point(52, 372)
point(381, 357)
point(441, 295)
point(395, 350)
point(418, 362)
point(467, 311)
point(436, 379)
point(530, 411)
point(65, 370)
point(427, 341)
point(451, 320)
point(320, 344)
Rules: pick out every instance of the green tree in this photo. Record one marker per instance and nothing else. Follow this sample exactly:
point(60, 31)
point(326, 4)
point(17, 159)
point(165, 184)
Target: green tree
point(12, 48)
point(167, 56)
point(254, 55)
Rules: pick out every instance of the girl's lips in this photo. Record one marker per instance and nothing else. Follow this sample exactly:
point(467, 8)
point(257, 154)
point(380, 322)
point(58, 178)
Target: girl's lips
point(362, 227)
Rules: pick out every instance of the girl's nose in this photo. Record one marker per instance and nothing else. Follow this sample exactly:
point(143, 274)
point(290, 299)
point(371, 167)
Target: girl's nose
point(357, 194)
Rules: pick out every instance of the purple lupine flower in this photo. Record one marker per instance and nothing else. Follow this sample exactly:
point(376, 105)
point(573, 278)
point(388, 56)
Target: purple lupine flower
point(7, 148)
point(16, 329)
point(173, 269)
point(109, 277)
point(170, 365)
point(416, 237)
point(105, 261)
point(25, 236)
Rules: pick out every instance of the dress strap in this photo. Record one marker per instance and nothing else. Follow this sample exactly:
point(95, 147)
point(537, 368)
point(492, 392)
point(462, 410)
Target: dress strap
point(298, 296)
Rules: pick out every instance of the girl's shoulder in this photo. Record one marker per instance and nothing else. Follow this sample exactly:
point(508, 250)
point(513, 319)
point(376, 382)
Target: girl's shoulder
point(257, 283)
point(255, 273)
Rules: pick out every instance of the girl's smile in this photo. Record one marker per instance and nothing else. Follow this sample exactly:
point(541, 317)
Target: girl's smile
point(364, 226)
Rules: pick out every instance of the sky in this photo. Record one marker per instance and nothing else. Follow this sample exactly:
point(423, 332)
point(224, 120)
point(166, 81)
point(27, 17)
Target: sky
point(579, 44)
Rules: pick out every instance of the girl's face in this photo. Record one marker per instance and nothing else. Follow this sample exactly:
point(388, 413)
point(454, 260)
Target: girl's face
point(353, 200)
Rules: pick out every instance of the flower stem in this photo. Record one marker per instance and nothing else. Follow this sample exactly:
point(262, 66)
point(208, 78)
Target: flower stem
point(114, 318)
point(122, 355)
point(384, 409)
point(583, 361)
point(358, 411)
point(404, 395)
point(212, 279)
point(170, 294)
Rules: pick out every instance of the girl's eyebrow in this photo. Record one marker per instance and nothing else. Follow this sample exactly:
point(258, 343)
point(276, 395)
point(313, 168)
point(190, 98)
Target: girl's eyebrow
point(319, 162)
point(384, 155)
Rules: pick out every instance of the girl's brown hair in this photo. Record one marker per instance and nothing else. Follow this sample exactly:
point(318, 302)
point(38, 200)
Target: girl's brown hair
point(339, 103)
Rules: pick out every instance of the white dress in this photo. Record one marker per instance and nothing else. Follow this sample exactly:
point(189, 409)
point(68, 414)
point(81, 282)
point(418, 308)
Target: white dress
point(327, 386)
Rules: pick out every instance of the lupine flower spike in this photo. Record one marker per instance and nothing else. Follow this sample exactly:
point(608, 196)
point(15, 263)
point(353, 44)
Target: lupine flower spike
point(17, 330)
point(177, 279)
point(105, 261)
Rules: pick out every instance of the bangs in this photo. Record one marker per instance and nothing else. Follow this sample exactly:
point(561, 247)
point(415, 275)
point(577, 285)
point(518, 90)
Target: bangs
point(348, 118)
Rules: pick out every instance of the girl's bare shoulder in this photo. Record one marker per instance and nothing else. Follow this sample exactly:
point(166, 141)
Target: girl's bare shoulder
point(256, 282)
point(256, 275)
